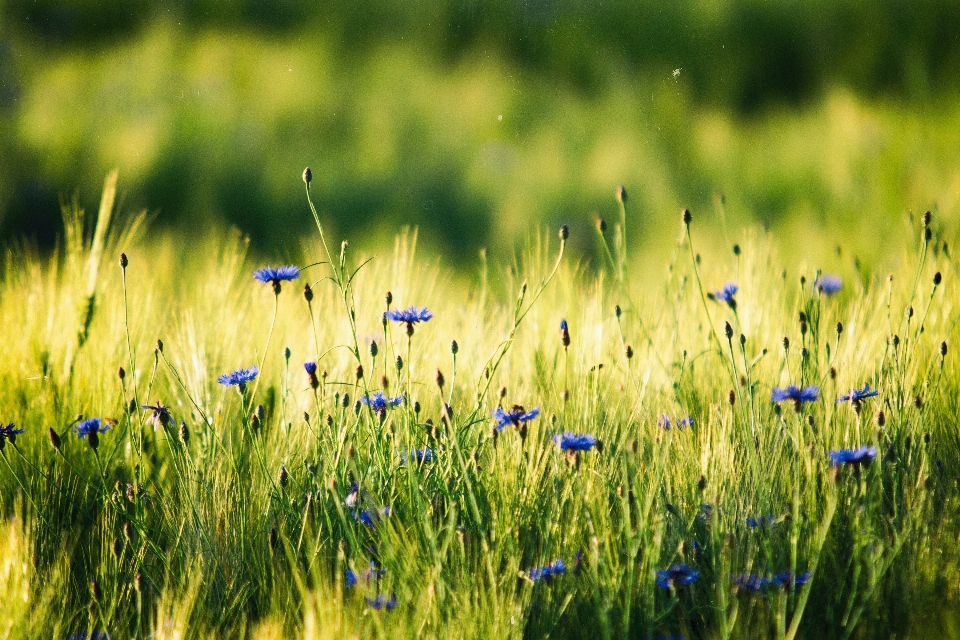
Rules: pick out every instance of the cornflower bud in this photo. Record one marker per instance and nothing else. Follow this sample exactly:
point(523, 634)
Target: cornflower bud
point(564, 232)
point(687, 216)
point(307, 175)
point(307, 292)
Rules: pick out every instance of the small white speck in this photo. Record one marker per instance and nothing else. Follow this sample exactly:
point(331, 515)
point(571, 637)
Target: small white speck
point(500, 117)
point(676, 72)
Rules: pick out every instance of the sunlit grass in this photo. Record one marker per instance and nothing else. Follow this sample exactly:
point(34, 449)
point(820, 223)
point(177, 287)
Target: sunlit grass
point(191, 529)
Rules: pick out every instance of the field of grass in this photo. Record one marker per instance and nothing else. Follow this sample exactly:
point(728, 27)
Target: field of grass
point(283, 507)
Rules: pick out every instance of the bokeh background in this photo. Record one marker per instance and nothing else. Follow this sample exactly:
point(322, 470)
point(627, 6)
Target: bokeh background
point(826, 121)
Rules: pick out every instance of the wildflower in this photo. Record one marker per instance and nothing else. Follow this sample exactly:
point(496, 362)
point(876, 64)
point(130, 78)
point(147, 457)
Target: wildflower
point(548, 572)
point(379, 402)
point(418, 455)
point(349, 578)
point(160, 417)
point(91, 426)
point(750, 582)
point(855, 457)
point(706, 511)
point(409, 316)
point(762, 521)
point(370, 517)
point(564, 334)
point(515, 416)
point(726, 295)
point(828, 284)
point(240, 377)
point(856, 395)
point(380, 602)
point(353, 495)
point(678, 575)
point(795, 393)
point(276, 275)
point(8, 432)
point(311, 369)
point(665, 422)
point(575, 442)
point(785, 578)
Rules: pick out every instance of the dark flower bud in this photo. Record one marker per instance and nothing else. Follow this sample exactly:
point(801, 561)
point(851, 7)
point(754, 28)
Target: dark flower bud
point(416, 407)
point(329, 418)
point(121, 373)
point(736, 250)
point(160, 346)
point(184, 433)
point(502, 393)
point(937, 279)
point(359, 372)
point(307, 292)
point(629, 351)
point(743, 339)
point(910, 312)
point(345, 400)
point(307, 175)
point(255, 423)
point(95, 591)
point(881, 418)
point(617, 310)
point(601, 225)
point(440, 380)
point(803, 280)
point(927, 235)
point(54, 438)
point(786, 343)
point(399, 364)
point(272, 539)
point(132, 406)
point(918, 402)
point(896, 341)
point(409, 328)
point(374, 350)
point(702, 484)
point(803, 327)
point(282, 476)
point(732, 397)
point(454, 347)
point(686, 215)
point(356, 408)
point(385, 382)
point(839, 328)
point(804, 352)
point(564, 232)
point(833, 373)
point(622, 193)
point(728, 330)
point(123, 261)
point(943, 349)
point(926, 438)
point(926, 219)
point(286, 353)
point(388, 298)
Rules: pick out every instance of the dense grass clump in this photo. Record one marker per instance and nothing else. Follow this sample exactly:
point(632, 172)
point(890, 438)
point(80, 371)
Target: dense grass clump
point(728, 447)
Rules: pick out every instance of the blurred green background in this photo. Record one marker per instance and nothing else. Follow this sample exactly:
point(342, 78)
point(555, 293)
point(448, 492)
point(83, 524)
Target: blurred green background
point(825, 121)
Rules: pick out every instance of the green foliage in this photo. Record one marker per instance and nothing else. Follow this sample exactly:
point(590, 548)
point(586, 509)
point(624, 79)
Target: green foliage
point(186, 527)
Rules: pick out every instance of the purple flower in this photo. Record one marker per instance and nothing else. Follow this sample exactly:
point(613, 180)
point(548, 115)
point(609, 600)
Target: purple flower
point(575, 442)
point(828, 284)
point(678, 575)
point(515, 416)
point(795, 393)
point(379, 402)
point(8, 432)
point(665, 422)
point(371, 517)
point(410, 316)
point(380, 602)
point(160, 417)
point(418, 455)
point(726, 295)
point(91, 426)
point(310, 368)
point(349, 578)
point(784, 579)
point(240, 377)
point(855, 457)
point(856, 395)
point(548, 572)
point(750, 582)
point(762, 521)
point(276, 275)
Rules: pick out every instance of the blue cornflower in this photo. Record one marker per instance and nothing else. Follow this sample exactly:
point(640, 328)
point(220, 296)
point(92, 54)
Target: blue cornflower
point(665, 422)
point(371, 517)
point(410, 316)
point(751, 582)
point(310, 368)
point(855, 457)
point(349, 578)
point(795, 393)
point(575, 442)
point(706, 511)
point(762, 521)
point(515, 416)
point(380, 602)
point(418, 455)
point(726, 295)
point(695, 546)
point(828, 284)
point(784, 578)
point(678, 575)
point(276, 275)
point(379, 402)
point(856, 395)
point(240, 377)
point(8, 432)
point(160, 417)
point(353, 495)
point(90, 427)
point(548, 572)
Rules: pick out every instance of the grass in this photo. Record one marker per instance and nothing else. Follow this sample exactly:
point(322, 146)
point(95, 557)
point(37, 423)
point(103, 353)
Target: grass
point(242, 528)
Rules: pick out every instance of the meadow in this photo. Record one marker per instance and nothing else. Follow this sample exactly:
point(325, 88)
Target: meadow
point(380, 445)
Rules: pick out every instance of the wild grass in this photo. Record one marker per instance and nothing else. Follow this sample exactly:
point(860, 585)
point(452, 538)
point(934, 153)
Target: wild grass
point(232, 519)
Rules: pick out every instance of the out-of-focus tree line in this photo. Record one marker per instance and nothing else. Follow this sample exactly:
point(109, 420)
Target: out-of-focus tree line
point(469, 118)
